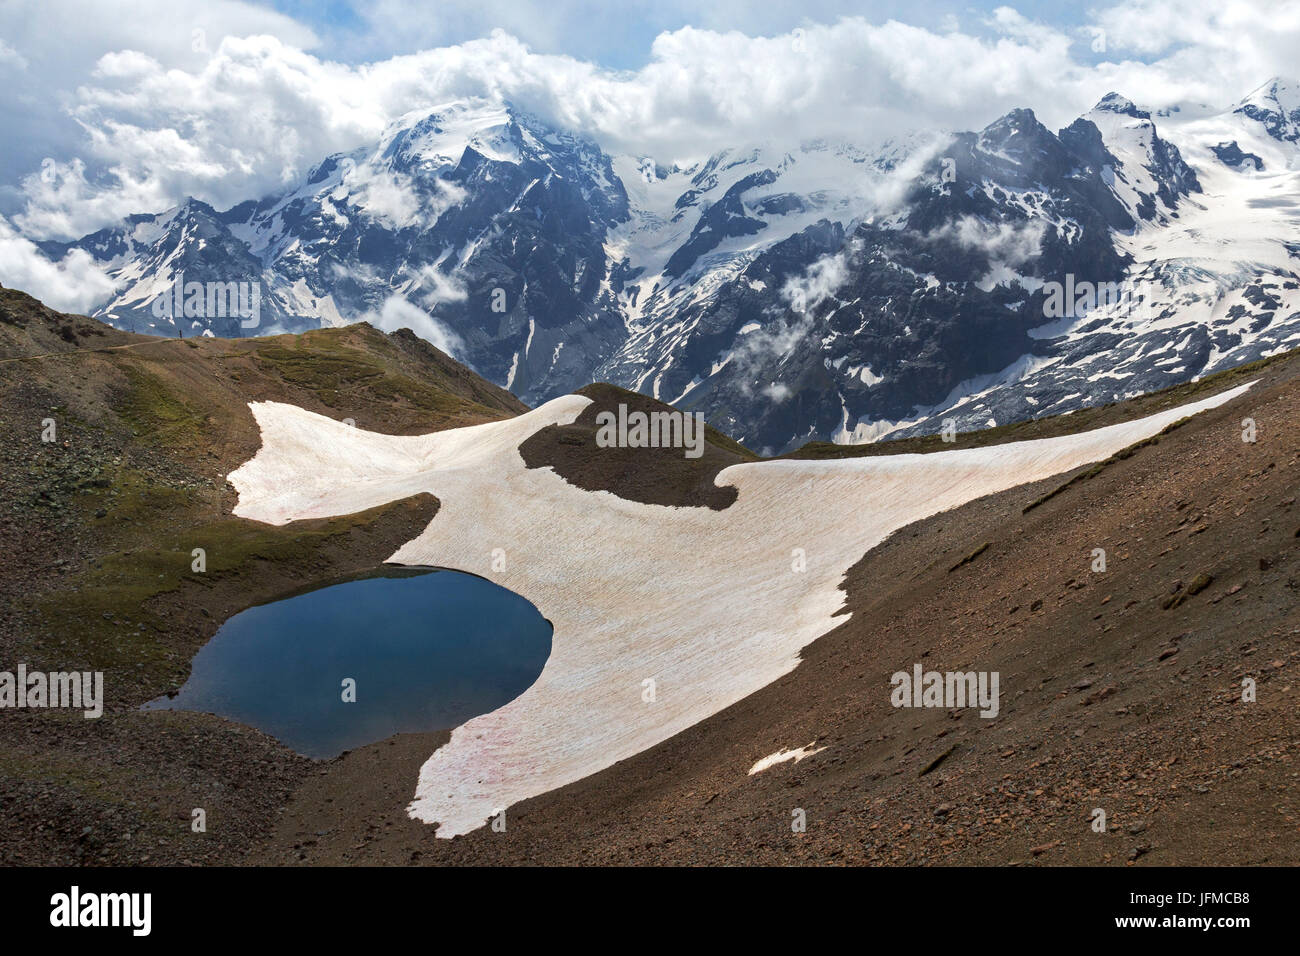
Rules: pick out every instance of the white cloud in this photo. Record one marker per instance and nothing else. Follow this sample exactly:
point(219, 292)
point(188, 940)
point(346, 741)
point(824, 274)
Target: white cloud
point(395, 200)
point(1202, 27)
point(63, 203)
point(821, 279)
point(438, 287)
point(1012, 243)
point(1008, 245)
point(156, 119)
point(60, 41)
point(756, 352)
point(777, 392)
point(398, 313)
point(74, 284)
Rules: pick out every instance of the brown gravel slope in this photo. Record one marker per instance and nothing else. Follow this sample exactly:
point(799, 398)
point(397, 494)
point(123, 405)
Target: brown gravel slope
point(1121, 691)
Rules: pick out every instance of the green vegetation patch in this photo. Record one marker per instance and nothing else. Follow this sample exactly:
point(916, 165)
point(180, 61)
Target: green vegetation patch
point(155, 411)
point(337, 373)
point(109, 615)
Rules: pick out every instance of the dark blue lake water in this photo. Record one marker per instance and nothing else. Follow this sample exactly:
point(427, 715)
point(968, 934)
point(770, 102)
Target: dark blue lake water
point(427, 649)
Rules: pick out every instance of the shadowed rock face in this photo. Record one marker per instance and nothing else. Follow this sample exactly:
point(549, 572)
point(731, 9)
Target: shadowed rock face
point(1230, 154)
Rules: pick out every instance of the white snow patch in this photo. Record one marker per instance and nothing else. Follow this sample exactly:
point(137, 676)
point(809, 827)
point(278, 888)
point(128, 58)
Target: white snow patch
point(782, 755)
point(701, 600)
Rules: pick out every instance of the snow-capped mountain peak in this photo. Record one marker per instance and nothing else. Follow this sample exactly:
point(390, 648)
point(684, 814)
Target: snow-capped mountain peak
point(788, 290)
point(1115, 103)
point(1148, 174)
point(1276, 105)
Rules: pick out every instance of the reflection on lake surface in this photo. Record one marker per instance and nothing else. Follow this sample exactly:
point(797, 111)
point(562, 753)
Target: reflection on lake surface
point(427, 649)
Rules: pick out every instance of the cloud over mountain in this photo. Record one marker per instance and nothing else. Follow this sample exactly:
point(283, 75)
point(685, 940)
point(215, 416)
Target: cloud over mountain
point(229, 101)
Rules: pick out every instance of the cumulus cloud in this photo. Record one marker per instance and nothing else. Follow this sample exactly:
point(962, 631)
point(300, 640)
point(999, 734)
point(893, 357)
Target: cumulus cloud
point(73, 284)
point(821, 279)
point(61, 202)
point(757, 355)
point(395, 200)
point(1007, 245)
point(399, 313)
point(61, 41)
point(438, 287)
point(1010, 242)
point(777, 392)
point(245, 106)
